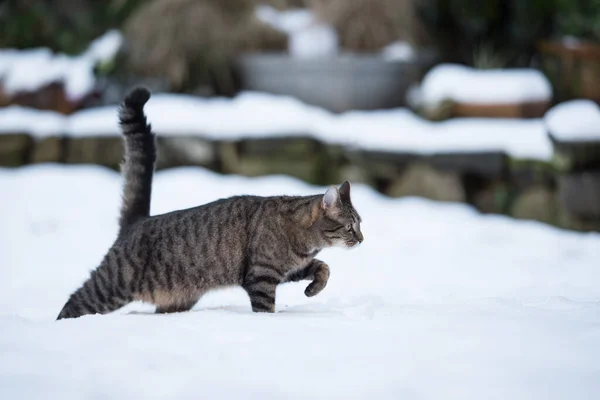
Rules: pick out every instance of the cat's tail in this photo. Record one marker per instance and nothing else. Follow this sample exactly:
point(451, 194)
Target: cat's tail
point(139, 159)
point(100, 294)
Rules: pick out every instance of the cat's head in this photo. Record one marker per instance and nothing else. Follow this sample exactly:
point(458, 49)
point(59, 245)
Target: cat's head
point(340, 223)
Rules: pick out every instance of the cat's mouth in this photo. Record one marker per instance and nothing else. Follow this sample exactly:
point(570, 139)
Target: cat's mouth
point(352, 244)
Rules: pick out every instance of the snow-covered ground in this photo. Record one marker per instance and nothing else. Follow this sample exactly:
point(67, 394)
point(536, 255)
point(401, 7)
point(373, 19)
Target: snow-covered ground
point(254, 114)
point(438, 303)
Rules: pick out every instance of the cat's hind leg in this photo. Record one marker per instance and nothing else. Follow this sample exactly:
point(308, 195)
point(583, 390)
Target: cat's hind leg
point(170, 301)
point(176, 307)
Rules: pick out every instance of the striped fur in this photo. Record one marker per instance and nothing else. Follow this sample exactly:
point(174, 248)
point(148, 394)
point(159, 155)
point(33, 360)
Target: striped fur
point(139, 159)
point(171, 260)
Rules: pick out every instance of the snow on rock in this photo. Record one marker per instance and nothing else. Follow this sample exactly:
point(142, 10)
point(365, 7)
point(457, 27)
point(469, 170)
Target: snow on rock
point(308, 37)
point(17, 119)
point(264, 115)
point(28, 70)
point(437, 294)
point(469, 85)
point(574, 120)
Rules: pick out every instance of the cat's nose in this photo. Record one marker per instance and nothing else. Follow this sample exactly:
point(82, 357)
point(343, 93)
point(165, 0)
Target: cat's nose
point(359, 237)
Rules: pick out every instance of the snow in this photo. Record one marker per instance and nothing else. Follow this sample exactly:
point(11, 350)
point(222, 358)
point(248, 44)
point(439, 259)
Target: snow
point(398, 51)
point(307, 36)
point(574, 120)
point(498, 86)
point(572, 42)
point(105, 47)
point(17, 119)
point(288, 21)
point(439, 302)
point(29, 70)
point(316, 41)
point(261, 115)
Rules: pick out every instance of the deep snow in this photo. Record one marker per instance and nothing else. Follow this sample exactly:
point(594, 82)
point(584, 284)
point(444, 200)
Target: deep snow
point(439, 302)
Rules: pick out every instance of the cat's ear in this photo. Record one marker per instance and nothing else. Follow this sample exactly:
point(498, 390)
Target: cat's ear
point(330, 198)
point(345, 192)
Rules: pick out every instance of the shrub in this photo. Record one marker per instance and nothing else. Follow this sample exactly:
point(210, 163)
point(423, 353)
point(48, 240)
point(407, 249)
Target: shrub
point(192, 42)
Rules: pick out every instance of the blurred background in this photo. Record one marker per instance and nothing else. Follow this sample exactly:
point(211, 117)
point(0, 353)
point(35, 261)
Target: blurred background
point(493, 103)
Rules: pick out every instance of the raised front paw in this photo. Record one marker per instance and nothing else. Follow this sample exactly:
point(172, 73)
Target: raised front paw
point(321, 277)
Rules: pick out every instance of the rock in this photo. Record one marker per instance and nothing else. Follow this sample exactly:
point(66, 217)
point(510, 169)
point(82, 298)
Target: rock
point(526, 173)
point(537, 203)
point(575, 156)
point(106, 151)
point(50, 149)
point(180, 151)
point(383, 166)
point(295, 147)
point(493, 198)
point(300, 157)
point(354, 174)
point(579, 193)
point(4, 97)
point(570, 221)
point(423, 180)
point(229, 158)
point(15, 149)
point(257, 166)
point(489, 164)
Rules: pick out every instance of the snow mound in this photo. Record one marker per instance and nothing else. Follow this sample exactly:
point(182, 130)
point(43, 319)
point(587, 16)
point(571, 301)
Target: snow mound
point(308, 37)
point(399, 51)
point(29, 70)
point(261, 115)
point(468, 85)
point(436, 293)
point(574, 120)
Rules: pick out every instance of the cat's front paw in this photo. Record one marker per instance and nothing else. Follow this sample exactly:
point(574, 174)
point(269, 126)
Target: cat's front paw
point(321, 277)
point(314, 288)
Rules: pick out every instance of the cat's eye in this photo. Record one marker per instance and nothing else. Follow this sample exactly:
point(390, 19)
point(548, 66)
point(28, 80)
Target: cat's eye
point(348, 228)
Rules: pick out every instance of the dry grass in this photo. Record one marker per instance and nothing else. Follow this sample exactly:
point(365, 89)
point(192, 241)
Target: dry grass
point(191, 41)
point(283, 4)
point(369, 25)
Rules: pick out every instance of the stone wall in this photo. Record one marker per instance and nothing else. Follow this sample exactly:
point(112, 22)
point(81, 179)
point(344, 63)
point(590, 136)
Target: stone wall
point(491, 182)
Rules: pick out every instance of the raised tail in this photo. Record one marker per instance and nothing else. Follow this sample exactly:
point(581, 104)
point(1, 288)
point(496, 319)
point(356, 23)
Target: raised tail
point(100, 294)
point(140, 157)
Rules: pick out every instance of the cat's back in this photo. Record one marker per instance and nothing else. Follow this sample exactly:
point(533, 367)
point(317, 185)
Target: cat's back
point(212, 218)
point(210, 239)
point(209, 228)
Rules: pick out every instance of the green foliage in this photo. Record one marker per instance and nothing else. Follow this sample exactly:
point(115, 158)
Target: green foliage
point(62, 25)
point(579, 18)
point(491, 33)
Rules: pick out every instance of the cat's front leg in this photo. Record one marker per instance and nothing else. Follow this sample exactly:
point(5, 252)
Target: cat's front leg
point(261, 283)
point(317, 271)
point(320, 275)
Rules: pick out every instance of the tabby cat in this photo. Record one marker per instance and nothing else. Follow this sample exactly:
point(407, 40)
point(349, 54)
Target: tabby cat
point(171, 260)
